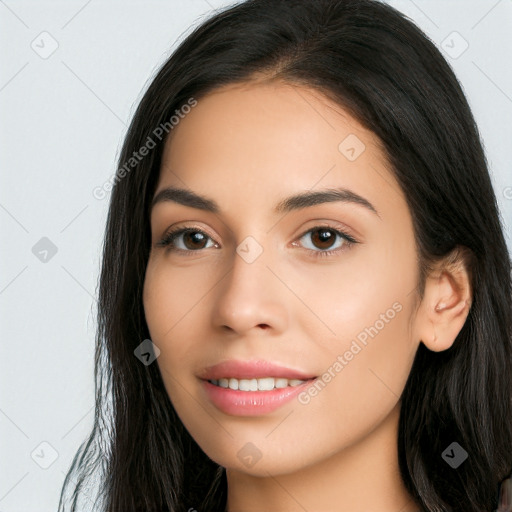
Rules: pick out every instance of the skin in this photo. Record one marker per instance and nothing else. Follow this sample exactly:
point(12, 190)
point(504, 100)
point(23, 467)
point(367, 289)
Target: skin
point(248, 146)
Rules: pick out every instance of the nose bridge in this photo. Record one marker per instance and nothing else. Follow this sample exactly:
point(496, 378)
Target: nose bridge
point(249, 279)
point(249, 295)
point(250, 250)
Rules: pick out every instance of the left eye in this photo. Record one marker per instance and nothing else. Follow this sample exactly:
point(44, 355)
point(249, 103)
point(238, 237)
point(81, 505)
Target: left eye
point(323, 238)
point(190, 240)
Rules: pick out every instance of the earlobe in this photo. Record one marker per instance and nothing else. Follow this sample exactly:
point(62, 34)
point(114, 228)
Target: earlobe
point(445, 306)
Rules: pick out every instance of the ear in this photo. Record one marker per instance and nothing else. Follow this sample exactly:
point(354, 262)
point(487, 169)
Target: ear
point(446, 301)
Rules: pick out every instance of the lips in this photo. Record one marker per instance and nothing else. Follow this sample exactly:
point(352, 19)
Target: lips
point(254, 369)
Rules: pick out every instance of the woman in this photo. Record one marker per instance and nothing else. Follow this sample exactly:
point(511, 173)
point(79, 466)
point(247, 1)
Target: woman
point(305, 299)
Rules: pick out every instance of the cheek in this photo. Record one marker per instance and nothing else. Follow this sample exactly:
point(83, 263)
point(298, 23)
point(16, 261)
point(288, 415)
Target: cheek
point(163, 306)
point(172, 295)
point(174, 299)
point(375, 361)
point(365, 343)
point(362, 380)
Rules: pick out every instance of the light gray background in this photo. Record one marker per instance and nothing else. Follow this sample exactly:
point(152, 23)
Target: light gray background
point(63, 118)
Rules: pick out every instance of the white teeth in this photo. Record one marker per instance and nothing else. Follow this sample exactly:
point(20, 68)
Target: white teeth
point(263, 384)
point(223, 383)
point(281, 383)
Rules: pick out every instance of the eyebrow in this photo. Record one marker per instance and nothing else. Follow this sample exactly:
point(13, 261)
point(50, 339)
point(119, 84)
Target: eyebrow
point(189, 198)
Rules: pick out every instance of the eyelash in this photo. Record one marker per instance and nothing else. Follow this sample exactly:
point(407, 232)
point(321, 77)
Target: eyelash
point(349, 241)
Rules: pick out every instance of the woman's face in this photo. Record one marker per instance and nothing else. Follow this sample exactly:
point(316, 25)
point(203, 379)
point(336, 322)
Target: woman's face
point(266, 279)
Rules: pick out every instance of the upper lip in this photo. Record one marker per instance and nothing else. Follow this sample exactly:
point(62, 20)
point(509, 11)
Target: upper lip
point(259, 368)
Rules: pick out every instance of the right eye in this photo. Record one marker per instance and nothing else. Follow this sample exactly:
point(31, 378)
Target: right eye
point(185, 240)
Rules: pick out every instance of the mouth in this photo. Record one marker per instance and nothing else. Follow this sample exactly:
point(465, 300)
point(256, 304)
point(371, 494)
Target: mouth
point(251, 388)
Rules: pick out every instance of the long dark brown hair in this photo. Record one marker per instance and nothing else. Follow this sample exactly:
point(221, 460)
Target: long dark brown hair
point(385, 72)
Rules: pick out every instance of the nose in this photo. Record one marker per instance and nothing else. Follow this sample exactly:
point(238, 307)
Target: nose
point(250, 297)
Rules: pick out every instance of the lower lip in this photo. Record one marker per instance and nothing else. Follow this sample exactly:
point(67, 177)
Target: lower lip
point(251, 403)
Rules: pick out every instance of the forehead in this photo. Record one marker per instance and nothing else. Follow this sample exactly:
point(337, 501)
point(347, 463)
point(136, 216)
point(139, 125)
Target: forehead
point(254, 143)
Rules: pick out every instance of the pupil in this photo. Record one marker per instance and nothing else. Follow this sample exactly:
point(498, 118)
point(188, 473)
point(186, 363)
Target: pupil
point(324, 237)
point(194, 237)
